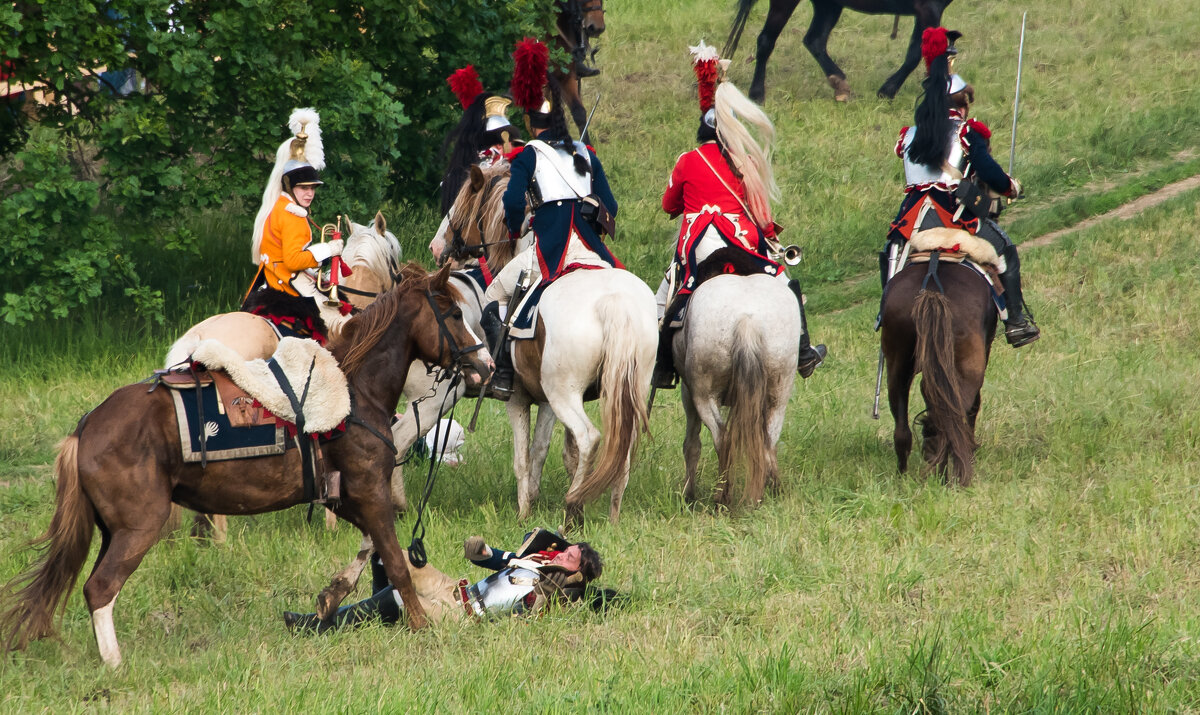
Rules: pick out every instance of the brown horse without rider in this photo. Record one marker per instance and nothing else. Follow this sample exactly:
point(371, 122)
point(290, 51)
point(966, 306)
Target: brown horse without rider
point(939, 320)
point(123, 467)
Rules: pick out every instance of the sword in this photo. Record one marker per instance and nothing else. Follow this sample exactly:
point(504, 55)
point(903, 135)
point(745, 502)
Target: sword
point(588, 123)
point(892, 258)
point(1012, 150)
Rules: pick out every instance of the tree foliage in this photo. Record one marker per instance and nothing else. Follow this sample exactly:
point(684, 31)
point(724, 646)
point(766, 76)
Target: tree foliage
point(164, 108)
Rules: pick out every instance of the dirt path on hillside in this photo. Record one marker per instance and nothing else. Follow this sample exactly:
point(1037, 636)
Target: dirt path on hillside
point(1126, 211)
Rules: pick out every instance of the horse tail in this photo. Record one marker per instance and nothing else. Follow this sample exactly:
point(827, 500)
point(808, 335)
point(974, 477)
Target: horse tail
point(946, 411)
point(739, 25)
point(40, 595)
point(745, 445)
point(624, 396)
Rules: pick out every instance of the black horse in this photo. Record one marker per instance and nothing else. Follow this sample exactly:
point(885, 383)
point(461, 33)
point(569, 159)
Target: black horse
point(927, 13)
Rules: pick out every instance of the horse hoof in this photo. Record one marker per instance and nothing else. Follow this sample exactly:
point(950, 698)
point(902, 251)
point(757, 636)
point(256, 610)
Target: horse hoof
point(841, 88)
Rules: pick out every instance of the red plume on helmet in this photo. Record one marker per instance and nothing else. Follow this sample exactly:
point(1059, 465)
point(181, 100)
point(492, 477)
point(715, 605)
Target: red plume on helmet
point(530, 61)
point(465, 84)
point(933, 44)
point(704, 64)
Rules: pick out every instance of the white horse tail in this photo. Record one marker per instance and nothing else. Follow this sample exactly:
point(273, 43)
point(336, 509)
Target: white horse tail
point(746, 444)
point(624, 391)
point(182, 349)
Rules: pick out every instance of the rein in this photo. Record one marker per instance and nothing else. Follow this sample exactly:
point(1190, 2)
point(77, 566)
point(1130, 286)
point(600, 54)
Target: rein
point(459, 248)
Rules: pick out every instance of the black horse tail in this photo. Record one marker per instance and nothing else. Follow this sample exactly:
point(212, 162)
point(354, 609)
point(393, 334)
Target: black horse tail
point(739, 24)
point(947, 434)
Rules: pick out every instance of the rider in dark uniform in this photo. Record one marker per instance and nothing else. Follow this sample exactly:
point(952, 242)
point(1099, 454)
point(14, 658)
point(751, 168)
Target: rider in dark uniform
point(564, 184)
point(944, 149)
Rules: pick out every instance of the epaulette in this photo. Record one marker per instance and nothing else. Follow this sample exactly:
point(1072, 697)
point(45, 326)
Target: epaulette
point(980, 128)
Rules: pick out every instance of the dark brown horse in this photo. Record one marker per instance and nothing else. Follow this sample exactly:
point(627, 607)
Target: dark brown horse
point(938, 320)
point(926, 13)
point(578, 22)
point(122, 468)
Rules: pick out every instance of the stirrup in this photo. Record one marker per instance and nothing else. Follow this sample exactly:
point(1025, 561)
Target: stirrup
point(1021, 333)
point(811, 359)
point(501, 386)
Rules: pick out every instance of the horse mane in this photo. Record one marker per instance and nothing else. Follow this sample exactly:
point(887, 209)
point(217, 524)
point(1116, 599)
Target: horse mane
point(364, 331)
point(487, 205)
point(368, 249)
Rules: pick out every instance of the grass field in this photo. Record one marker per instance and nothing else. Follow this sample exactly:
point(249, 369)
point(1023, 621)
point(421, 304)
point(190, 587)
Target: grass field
point(1064, 580)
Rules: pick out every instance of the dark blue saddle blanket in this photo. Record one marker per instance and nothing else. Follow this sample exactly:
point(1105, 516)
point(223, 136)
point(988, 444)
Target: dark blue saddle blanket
point(525, 322)
point(221, 439)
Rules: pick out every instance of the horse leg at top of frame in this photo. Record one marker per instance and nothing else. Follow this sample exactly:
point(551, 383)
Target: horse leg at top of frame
point(826, 14)
point(777, 17)
point(912, 57)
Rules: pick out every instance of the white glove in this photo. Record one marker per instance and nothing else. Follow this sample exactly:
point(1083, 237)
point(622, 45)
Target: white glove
point(1015, 192)
point(324, 251)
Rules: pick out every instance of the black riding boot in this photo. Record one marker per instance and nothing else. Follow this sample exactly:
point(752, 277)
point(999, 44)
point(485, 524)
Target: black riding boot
point(664, 362)
point(810, 357)
point(382, 606)
point(1018, 329)
point(501, 386)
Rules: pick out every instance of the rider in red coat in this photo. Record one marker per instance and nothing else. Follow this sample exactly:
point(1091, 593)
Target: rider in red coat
point(722, 189)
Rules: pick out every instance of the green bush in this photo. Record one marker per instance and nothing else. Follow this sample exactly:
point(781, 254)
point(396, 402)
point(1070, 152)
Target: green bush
point(181, 112)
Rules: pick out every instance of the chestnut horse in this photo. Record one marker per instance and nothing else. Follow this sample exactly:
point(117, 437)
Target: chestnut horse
point(124, 486)
point(578, 22)
point(939, 320)
point(926, 13)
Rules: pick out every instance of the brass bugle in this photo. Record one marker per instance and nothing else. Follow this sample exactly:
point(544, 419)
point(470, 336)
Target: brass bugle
point(792, 255)
point(330, 287)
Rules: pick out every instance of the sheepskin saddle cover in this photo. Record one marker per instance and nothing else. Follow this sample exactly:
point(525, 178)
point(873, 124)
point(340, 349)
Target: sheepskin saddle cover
point(948, 239)
point(328, 401)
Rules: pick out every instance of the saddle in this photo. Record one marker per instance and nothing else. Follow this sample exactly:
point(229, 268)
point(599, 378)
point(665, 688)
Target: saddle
point(238, 405)
point(954, 245)
point(250, 396)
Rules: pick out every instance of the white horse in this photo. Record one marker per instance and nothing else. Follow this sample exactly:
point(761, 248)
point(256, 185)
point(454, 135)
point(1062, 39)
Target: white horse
point(595, 327)
point(737, 348)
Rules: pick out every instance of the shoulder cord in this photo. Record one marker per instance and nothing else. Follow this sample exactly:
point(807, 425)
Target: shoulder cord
point(727, 188)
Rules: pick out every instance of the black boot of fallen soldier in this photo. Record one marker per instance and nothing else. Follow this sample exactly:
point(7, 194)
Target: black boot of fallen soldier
point(501, 386)
point(811, 356)
point(381, 606)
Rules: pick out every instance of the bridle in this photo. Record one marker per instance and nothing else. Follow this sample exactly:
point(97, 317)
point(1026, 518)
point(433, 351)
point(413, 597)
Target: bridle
point(446, 339)
point(458, 248)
